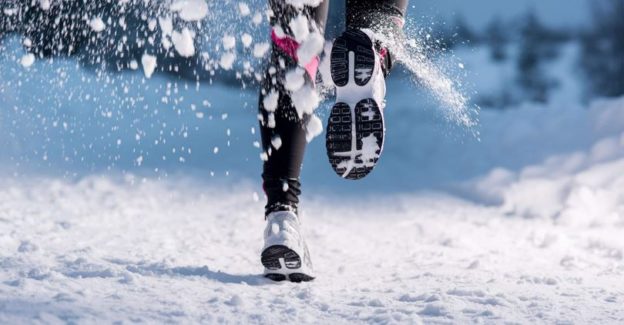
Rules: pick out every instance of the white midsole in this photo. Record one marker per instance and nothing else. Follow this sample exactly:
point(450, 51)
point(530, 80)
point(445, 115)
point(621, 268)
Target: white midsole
point(352, 93)
point(286, 271)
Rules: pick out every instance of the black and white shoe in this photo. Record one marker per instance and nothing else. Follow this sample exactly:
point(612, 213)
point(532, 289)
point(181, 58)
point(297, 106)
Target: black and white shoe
point(355, 130)
point(285, 255)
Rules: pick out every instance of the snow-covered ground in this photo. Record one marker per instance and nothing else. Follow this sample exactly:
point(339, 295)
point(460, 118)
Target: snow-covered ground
point(108, 249)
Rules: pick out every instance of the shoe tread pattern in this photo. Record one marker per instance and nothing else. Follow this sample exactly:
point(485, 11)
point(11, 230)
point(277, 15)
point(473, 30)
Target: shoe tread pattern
point(270, 258)
point(361, 45)
point(368, 121)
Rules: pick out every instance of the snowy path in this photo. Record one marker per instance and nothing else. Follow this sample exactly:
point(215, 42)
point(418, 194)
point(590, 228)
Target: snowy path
point(106, 250)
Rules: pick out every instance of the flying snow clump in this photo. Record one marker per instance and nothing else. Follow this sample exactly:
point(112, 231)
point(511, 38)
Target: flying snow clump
point(270, 101)
point(294, 79)
point(44, 4)
point(97, 24)
point(149, 64)
point(305, 100)
point(183, 42)
point(229, 42)
point(299, 28)
point(244, 9)
point(27, 60)
point(260, 49)
point(314, 127)
point(227, 60)
point(310, 48)
point(299, 4)
point(190, 10)
point(246, 39)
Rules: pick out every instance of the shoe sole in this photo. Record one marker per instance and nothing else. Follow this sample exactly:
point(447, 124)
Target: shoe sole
point(355, 129)
point(282, 263)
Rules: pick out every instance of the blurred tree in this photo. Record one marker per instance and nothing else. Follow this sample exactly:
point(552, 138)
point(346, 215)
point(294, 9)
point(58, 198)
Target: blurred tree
point(463, 32)
point(8, 17)
point(536, 46)
point(54, 30)
point(603, 49)
point(497, 39)
point(61, 28)
point(440, 36)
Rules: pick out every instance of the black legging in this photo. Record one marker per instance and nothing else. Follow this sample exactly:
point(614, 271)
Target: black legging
point(282, 168)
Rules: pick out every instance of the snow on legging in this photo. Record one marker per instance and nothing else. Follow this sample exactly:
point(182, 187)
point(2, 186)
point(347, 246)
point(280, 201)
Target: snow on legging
point(283, 131)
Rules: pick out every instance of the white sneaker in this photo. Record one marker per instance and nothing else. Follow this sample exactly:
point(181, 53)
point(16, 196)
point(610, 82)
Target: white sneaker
point(355, 129)
point(285, 255)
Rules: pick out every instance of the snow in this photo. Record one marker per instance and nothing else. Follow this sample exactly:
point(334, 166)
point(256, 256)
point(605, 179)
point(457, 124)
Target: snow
point(294, 79)
point(151, 25)
point(260, 49)
point(10, 11)
point(149, 64)
point(276, 142)
point(166, 28)
point(227, 60)
point(166, 25)
point(246, 39)
point(370, 148)
point(257, 19)
point(314, 128)
point(45, 4)
point(540, 243)
point(580, 188)
point(27, 60)
point(271, 121)
point(229, 42)
point(105, 249)
point(183, 42)
point(97, 24)
point(445, 87)
point(244, 9)
point(190, 10)
point(301, 3)
point(305, 100)
point(325, 66)
point(299, 28)
point(270, 101)
point(310, 48)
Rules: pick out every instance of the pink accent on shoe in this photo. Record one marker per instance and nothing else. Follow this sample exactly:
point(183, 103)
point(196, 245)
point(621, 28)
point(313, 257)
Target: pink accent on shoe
point(382, 53)
point(289, 46)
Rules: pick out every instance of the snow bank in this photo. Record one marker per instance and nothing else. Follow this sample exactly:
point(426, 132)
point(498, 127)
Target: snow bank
point(581, 188)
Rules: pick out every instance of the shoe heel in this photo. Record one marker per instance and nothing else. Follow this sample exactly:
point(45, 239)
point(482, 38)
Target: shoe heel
point(272, 256)
point(272, 259)
point(355, 138)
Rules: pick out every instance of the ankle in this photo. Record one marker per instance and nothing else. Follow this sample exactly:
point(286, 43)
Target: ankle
point(280, 207)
